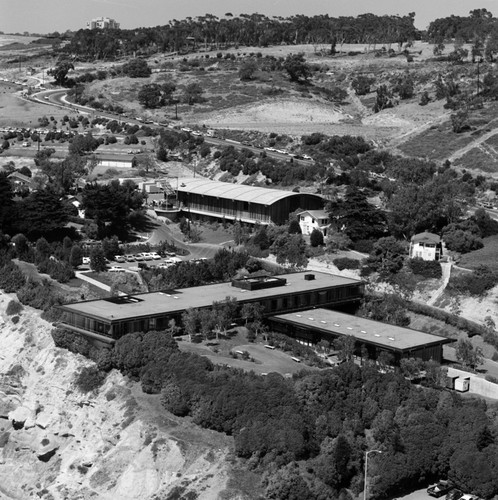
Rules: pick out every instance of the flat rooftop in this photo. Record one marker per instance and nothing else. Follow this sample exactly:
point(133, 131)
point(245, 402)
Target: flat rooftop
point(363, 329)
point(175, 301)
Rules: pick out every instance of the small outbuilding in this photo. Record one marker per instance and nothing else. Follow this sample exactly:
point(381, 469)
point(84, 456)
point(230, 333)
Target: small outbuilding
point(426, 246)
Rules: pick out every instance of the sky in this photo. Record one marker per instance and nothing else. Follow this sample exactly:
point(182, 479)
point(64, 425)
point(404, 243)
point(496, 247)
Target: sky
point(46, 16)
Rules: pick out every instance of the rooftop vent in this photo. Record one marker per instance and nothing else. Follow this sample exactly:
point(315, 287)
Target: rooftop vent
point(258, 283)
point(309, 277)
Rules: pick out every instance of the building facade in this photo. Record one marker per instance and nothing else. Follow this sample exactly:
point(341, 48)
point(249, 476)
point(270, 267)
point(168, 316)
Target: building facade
point(426, 246)
point(313, 219)
point(237, 202)
point(373, 337)
point(101, 23)
point(109, 319)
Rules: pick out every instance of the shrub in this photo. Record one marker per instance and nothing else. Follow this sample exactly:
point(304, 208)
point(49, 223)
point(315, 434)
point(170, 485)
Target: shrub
point(316, 238)
point(346, 263)
point(426, 268)
point(89, 379)
point(14, 307)
point(475, 283)
point(11, 278)
point(15, 319)
point(363, 246)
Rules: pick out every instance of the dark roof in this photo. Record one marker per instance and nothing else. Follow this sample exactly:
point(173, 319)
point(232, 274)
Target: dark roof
point(175, 301)
point(364, 330)
point(226, 190)
point(426, 237)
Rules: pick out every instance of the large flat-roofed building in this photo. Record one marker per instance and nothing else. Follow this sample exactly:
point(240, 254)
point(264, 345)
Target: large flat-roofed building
point(312, 325)
point(248, 204)
point(109, 319)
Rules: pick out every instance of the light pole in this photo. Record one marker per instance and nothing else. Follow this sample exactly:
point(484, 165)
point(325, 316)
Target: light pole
point(366, 471)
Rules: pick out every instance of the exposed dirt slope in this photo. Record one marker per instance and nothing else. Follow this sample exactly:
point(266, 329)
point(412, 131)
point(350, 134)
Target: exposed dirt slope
point(56, 442)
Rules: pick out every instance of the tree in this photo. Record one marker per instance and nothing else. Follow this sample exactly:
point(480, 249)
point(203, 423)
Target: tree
point(76, 256)
point(81, 144)
point(297, 67)
point(361, 84)
point(345, 345)
point(384, 99)
point(60, 71)
point(290, 249)
point(136, 68)
point(252, 311)
point(387, 257)
point(294, 227)
point(6, 202)
point(357, 217)
point(467, 354)
point(224, 313)
point(41, 213)
point(247, 70)
point(193, 94)
point(97, 260)
point(460, 121)
point(150, 96)
point(316, 238)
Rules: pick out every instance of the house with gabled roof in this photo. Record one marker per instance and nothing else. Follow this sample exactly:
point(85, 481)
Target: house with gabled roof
point(426, 246)
point(313, 219)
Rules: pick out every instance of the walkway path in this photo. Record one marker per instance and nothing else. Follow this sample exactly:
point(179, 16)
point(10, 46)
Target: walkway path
point(446, 267)
point(98, 284)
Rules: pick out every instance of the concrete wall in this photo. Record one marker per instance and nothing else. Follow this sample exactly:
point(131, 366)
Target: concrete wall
point(477, 384)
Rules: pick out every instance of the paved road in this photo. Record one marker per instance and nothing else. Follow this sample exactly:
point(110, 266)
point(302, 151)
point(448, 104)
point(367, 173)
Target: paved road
point(59, 98)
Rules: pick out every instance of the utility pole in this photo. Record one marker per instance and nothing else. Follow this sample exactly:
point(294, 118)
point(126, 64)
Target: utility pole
point(479, 61)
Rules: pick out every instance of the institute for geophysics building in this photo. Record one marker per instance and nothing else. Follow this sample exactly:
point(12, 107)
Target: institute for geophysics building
point(302, 305)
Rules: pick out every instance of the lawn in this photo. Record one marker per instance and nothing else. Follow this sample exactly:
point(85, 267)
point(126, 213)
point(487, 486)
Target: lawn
point(264, 360)
point(484, 256)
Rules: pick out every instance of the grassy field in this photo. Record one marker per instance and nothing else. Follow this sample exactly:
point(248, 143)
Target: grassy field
point(479, 158)
point(438, 142)
point(485, 256)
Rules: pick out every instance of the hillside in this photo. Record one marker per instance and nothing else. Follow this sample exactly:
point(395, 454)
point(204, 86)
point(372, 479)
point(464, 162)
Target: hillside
point(58, 443)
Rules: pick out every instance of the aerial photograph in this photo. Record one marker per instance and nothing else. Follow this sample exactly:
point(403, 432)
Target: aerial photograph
point(249, 250)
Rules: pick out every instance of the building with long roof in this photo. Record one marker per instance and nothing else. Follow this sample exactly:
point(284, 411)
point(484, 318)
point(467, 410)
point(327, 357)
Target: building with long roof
point(313, 325)
point(204, 197)
point(108, 319)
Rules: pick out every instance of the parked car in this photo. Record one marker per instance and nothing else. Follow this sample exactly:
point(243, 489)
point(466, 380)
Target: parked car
point(139, 257)
point(120, 258)
point(130, 258)
point(155, 256)
point(440, 489)
point(116, 269)
point(147, 255)
point(455, 494)
point(86, 260)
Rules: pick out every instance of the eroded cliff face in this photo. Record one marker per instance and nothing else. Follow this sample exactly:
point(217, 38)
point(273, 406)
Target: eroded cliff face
point(117, 443)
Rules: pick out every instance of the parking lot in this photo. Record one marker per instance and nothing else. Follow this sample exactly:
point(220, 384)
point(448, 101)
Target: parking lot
point(130, 262)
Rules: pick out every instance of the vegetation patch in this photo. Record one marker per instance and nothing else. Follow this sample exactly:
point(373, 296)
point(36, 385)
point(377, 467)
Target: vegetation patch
point(438, 142)
point(479, 158)
point(484, 256)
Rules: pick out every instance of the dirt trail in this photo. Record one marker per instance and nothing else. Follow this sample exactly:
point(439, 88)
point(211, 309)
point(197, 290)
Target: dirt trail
point(476, 143)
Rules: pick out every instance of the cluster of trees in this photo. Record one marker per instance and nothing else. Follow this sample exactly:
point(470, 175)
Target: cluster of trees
point(479, 28)
point(114, 207)
point(222, 267)
point(245, 29)
point(309, 434)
